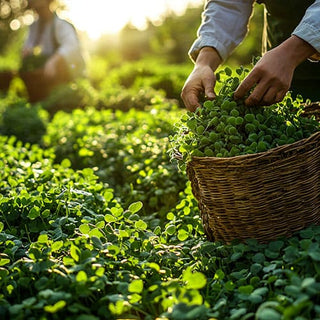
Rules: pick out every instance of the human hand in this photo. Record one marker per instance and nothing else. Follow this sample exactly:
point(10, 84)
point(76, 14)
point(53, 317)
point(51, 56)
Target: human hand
point(270, 80)
point(50, 68)
point(271, 77)
point(201, 81)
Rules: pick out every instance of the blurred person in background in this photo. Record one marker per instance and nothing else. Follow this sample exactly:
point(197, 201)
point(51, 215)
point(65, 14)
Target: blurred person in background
point(291, 44)
point(51, 54)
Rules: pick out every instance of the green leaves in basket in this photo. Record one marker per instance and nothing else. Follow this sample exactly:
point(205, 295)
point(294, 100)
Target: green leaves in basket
point(227, 128)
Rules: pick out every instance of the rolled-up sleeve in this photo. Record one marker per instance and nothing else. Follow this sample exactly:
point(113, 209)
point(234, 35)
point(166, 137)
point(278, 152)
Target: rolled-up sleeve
point(224, 25)
point(69, 45)
point(309, 27)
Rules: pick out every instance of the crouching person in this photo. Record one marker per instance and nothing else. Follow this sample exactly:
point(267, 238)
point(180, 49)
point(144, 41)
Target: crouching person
point(51, 54)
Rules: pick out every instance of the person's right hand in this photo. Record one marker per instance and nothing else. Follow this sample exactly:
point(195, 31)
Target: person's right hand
point(271, 77)
point(201, 81)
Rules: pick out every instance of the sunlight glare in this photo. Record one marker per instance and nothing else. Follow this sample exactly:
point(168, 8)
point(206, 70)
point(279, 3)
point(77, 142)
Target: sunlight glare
point(99, 17)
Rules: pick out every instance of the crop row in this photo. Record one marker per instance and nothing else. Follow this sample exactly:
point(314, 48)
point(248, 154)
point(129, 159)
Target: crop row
point(96, 222)
point(70, 249)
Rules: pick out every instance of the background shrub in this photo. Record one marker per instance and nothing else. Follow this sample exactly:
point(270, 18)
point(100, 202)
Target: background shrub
point(25, 121)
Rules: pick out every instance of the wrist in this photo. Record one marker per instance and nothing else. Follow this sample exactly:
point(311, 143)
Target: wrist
point(209, 56)
point(297, 50)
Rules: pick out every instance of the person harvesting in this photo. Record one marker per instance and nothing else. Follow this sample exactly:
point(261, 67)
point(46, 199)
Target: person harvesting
point(291, 44)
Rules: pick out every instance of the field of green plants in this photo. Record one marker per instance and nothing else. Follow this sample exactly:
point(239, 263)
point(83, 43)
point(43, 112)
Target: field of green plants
point(98, 222)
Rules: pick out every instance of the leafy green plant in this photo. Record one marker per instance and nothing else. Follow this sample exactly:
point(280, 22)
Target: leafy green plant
point(69, 249)
point(27, 123)
point(72, 247)
point(74, 95)
point(225, 128)
point(118, 98)
point(146, 75)
point(110, 143)
point(33, 62)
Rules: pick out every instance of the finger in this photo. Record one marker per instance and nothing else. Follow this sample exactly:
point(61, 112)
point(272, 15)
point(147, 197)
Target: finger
point(280, 95)
point(245, 86)
point(190, 100)
point(273, 96)
point(256, 96)
point(270, 97)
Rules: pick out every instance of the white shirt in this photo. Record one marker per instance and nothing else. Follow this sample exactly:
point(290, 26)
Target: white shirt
point(61, 34)
point(225, 24)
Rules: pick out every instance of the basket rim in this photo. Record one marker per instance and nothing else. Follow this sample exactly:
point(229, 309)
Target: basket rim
point(257, 155)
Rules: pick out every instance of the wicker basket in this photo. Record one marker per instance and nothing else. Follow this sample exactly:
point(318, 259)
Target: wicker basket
point(36, 84)
point(262, 196)
point(5, 80)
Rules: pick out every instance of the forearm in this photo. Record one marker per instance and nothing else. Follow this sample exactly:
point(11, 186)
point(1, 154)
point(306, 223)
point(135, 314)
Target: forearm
point(69, 45)
point(56, 59)
point(309, 28)
point(223, 27)
point(53, 66)
point(271, 77)
point(208, 57)
point(296, 50)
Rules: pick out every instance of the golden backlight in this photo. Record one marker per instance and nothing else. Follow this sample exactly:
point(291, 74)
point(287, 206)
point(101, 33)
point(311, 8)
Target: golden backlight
point(98, 17)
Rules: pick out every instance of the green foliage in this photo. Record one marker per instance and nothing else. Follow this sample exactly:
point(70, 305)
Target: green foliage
point(70, 250)
point(74, 95)
point(27, 123)
point(14, 10)
point(126, 99)
point(97, 69)
point(33, 62)
point(226, 128)
point(10, 10)
point(251, 46)
point(97, 223)
point(142, 76)
point(174, 37)
point(127, 149)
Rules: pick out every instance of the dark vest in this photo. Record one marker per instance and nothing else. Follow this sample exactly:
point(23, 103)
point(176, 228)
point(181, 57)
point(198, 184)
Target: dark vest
point(282, 18)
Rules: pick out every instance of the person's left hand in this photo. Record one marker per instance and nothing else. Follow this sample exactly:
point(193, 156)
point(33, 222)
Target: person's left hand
point(271, 79)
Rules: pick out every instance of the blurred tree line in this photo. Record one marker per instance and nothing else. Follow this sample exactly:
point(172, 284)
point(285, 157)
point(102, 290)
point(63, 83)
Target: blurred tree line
point(172, 38)
point(14, 17)
point(11, 34)
point(169, 40)
point(9, 12)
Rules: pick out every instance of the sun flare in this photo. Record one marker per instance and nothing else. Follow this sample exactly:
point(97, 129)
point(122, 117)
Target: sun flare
point(99, 17)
